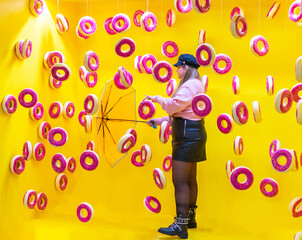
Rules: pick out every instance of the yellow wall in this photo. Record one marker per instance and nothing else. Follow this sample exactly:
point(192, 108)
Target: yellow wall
point(117, 194)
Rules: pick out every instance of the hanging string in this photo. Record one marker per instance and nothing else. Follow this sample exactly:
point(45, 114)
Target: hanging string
point(87, 7)
point(57, 6)
point(118, 6)
point(221, 17)
point(259, 19)
point(147, 5)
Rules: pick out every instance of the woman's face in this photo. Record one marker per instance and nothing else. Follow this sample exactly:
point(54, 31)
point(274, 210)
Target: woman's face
point(181, 70)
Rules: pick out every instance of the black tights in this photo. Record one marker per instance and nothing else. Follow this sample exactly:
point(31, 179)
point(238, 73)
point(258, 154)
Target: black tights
point(184, 180)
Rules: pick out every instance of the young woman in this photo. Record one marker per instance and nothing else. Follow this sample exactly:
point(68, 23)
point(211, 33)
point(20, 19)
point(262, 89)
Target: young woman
point(188, 143)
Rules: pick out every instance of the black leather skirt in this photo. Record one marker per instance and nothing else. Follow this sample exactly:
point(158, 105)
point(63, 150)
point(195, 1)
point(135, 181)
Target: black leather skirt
point(188, 140)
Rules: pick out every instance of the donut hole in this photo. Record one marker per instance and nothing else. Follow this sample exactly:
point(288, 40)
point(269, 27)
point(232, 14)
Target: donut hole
point(60, 73)
point(92, 61)
point(55, 59)
point(40, 151)
point(19, 165)
point(58, 137)
point(125, 48)
point(221, 64)
point(204, 55)
point(150, 22)
point(297, 10)
point(120, 23)
point(11, 104)
point(45, 130)
point(184, 3)
point(298, 207)
point(170, 49)
point(41, 201)
point(89, 104)
point(149, 64)
point(84, 213)
point(87, 25)
point(91, 78)
point(32, 199)
point(285, 101)
point(27, 98)
point(71, 165)
point(146, 110)
point(268, 188)
point(282, 160)
point(260, 45)
point(241, 112)
point(242, 178)
point(240, 26)
point(224, 123)
point(89, 161)
point(62, 182)
point(163, 72)
point(38, 110)
point(153, 204)
point(128, 143)
point(200, 105)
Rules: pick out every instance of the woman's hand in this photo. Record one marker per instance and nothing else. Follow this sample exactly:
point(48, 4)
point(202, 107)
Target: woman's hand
point(152, 98)
point(154, 122)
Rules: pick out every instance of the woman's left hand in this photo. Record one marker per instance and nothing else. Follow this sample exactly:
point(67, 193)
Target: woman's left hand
point(152, 98)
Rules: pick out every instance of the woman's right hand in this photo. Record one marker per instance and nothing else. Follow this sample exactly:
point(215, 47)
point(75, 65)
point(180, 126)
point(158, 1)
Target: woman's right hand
point(154, 122)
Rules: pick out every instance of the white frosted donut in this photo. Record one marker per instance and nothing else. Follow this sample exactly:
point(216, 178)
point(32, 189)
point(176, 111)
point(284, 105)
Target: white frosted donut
point(282, 152)
point(61, 182)
point(53, 83)
point(9, 104)
point(237, 11)
point(294, 207)
point(125, 41)
point(292, 9)
point(120, 28)
point(254, 46)
point(37, 111)
point(211, 55)
point(51, 58)
point(62, 23)
point(170, 18)
point(238, 145)
point(274, 146)
point(229, 167)
point(108, 26)
point(68, 109)
point(18, 49)
point(30, 199)
point(226, 59)
point(148, 17)
point(149, 202)
point(270, 85)
point(91, 79)
point(240, 113)
point(88, 123)
point(134, 155)
point(143, 63)
point(51, 136)
point(146, 154)
point(90, 146)
point(171, 87)
point(159, 178)
point(164, 132)
point(36, 7)
point(299, 112)
point(202, 105)
point(43, 130)
point(205, 83)
point(298, 69)
point(257, 112)
point(238, 26)
point(55, 109)
point(59, 163)
point(91, 61)
point(146, 109)
point(183, 9)
point(137, 21)
point(166, 166)
point(234, 178)
point(283, 101)
point(32, 93)
point(17, 164)
point(225, 123)
point(125, 77)
point(201, 6)
point(87, 26)
point(134, 134)
point(91, 104)
point(125, 143)
point(39, 151)
point(164, 49)
point(273, 10)
point(274, 185)
point(156, 71)
point(201, 36)
point(137, 64)
point(71, 164)
point(85, 212)
point(26, 48)
point(41, 203)
point(296, 92)
point(56, 72)
point(236, 85)
point(92, 156)
point(81, 117)
point(27, 150)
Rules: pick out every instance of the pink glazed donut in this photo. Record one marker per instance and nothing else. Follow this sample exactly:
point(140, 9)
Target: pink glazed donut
point(61, 182)
point(225, 118)
point(237, 11)
point(61, 132)
point(146, 154)
point(91, 79)
point(270, 85)
point(134, 155)
point(87, 208)
point(68, 109)
point(273, 10)
point(88, 124)
point(43, 130)
point(87, 26)
point(30, 199)
point(18, 49)
point(120, 28)
point(71, 164)
point(27, 150)
point(147, 203)
point(51, 58)
point(257, 112)
point(53, 83)
point(157, 68)
point(82, 73)
point(202, 105)
point(234, 178)
point(170, 18)
point(145, 19)
point(238, 145)
point(236, 85)
point(254, 46)
point(299, 112)
point(125, 41)
point(134, 134)
point(183, 9)
point(37, 111)
point(39, 151)
point(274, 146)
point(168, 166)
point(107, 27)
point(165, 46)
point(55, 109)
point(171, 87)
point(9, 104)
point(294, 207)
point(41, 203)
point(81, 117)
point(17, 164)
point(205, 83)
point(226, 59)
point(56, 72)
point(283, 101)
point(91, 104)
point(32, 93)
point(36, 7)
point(62, 23)
point(272, 183)
point(211, 54)
point(229, 167)
point(59, 163)
point(236, 30)
point(164, 132)
point(93, 156)
point(200, 6)
point(91, 61)
point(90, 146)
point(295, 92)
point(136, 21)
point(125, 77)
point(291, 12)
point(159, 178)
point(26, 48)
point(201, 36)
point(240, 113)
point(125, 143)
point(143, 63)
point(80, 35)
point(137, 64)
point(282, 152)
point(146, 109)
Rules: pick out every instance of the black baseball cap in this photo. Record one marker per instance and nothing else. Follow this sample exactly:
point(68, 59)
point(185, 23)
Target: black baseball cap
point(187, 59)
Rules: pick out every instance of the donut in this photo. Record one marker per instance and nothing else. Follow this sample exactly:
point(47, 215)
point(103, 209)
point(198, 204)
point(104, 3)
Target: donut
point(238, 26)
point(120, 28)
point(291, 12)
point(17, 164)
point(201, 36)
point(156, 71)
point(149, 203)
point(88, 123)
point(274, 146)
point(59, 163)
point(205, 62)
point(298, 236)
point(236, 85)
point(283, 101)
point(164, 132)
point(30, 199)
point(90, 146)
point(85, 212)
point(270, 85)
point(298, 69)
point(170, 18)
point(143, 63)
point(18, 49)
point(274, 187)
point(9, 104)
point(68, 109)
point(229, 168)
point(294, 207)
point(91, 61)
point(55, 109)
point(171, 87)
point(91, 79)
point(254, 46)
point(137, 21)
point(134, 155)
point(61, 182)
point(56, 72)
point(36, 7)
point(137, 64)
point(148, 17)
point(299, 112)
point(37, 111)
point(53, 83)
point(134, 134)
point(27, 150)
point(125, 41)
point(183, 9)
point(52, 58)
point(32, 93)
point(146, 154)
point(159, 178)
point(295, 166)
point(202, 105)
point(168, 166)
point(87, 26)
point(164, 49)
point(234, 178)
point(205, 83)
point(240, 113)
point(236, 11)
point(225, 123)
point(92, 156)
point(26, 48)
point(108, 26)
point(257, 112)
point(228, 64)
point(91, 104)
point(71, 164)
point(81, 117)
point(61, 132)
point(41, 202)
point(295, 92)
point(201, 6)
point(80, 35)
point(125, 77)
point(62, 24)
point(238, 145)
point(39, 151)
point(282, 152)
point(125, 143)
point(273, 10)
point(82, 73)
point(146, 109)
point(43, 130)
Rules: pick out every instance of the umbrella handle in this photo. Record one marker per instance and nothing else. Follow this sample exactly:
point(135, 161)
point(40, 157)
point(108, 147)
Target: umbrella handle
point(152, 122)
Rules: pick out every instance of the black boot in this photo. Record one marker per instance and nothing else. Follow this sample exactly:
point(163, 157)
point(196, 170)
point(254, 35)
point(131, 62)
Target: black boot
point(191, 214)
point(179, 227)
